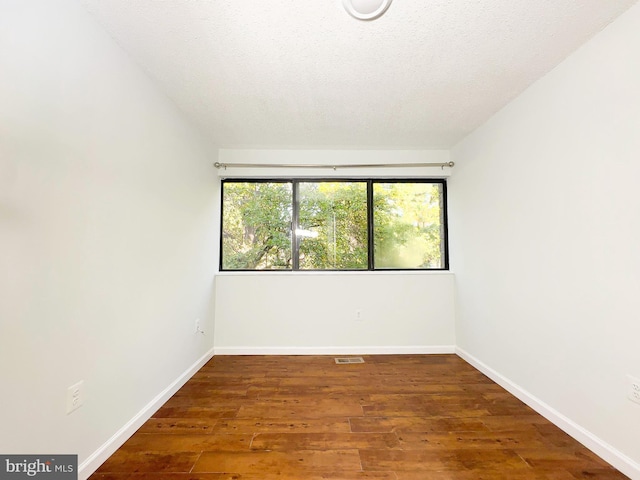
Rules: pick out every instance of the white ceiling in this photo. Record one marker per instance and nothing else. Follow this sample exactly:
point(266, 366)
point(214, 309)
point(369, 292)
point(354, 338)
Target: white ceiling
point(303, 73)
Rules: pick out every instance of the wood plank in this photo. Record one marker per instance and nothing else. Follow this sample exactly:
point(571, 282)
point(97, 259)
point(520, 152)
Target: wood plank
point(178, 425)
point(161, 476)
point(278, 425)
point(406, 410)
point(416, 424)
point(196, 411)
point(243, 476)
point(124, 461)
point(514, 422)
point(336, 475)
point(154, 442)
point(572, 459)
point(292, 462)
point(315, 476)
point(300, 408)
point(469, 440)
point(427, 460)
point(492, 474)
point(323, 441)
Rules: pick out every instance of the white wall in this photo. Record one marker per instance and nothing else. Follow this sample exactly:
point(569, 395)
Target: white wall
point(106, 234)
point(545, 235)
point(301, 313)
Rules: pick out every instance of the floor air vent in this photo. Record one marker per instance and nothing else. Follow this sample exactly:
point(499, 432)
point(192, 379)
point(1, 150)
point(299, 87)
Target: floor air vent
point(344, 361)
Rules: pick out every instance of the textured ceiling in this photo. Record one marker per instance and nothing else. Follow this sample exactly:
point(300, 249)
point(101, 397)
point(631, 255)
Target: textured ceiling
point(303, 73)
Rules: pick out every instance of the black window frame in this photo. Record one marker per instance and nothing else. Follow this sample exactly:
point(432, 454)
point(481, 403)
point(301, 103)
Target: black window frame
point(295, 243)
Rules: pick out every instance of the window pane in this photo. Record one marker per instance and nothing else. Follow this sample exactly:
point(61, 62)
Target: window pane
point(332, 225)
point(408, 225)
point(256, 226)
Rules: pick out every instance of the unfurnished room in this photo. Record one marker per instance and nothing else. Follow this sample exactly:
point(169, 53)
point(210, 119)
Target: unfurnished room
point(335, 239)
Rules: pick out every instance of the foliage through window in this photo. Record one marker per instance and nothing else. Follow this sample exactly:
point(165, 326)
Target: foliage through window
point(334, 225)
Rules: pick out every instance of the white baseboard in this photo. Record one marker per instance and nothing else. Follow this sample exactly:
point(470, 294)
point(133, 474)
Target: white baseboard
point(97, 458)
point(601, 448)
point(416, 350)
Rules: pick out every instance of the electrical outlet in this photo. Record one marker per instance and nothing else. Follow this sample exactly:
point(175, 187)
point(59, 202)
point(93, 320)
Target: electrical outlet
point(198, 327)
point(75, 396)
point(634, 389)
point(359, 315)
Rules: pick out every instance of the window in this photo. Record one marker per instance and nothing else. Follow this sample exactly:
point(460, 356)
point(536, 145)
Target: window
point(338, 224)
point(408, 225)
point(256, 227)
point(332, 226)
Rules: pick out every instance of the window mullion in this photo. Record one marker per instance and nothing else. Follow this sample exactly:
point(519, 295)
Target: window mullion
point(295, 225)
point(371, 260)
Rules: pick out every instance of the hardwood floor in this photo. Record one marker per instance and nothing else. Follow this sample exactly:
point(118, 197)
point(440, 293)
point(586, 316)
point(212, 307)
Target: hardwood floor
point(395, 417)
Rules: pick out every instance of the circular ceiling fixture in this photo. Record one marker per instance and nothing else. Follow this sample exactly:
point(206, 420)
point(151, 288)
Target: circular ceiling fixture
point(366, 9)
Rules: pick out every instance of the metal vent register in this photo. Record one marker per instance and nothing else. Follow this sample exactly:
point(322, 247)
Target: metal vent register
point(344, 361)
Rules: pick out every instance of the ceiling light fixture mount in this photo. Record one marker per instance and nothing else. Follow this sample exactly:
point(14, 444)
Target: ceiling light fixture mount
point(366, 9)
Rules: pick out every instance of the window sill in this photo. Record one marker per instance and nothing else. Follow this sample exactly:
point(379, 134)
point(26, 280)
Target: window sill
point(333, 272)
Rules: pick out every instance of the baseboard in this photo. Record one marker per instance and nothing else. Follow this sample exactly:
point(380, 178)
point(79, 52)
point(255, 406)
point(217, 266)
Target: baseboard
point(97, 458)
point(601, 448)
point(401, 350)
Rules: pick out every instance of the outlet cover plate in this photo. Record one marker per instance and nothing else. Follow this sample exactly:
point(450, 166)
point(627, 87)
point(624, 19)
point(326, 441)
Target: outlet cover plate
point(634, 389)
point(75, 396)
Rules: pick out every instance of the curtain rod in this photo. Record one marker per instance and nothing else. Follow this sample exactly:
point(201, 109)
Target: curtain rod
point(334, 166)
